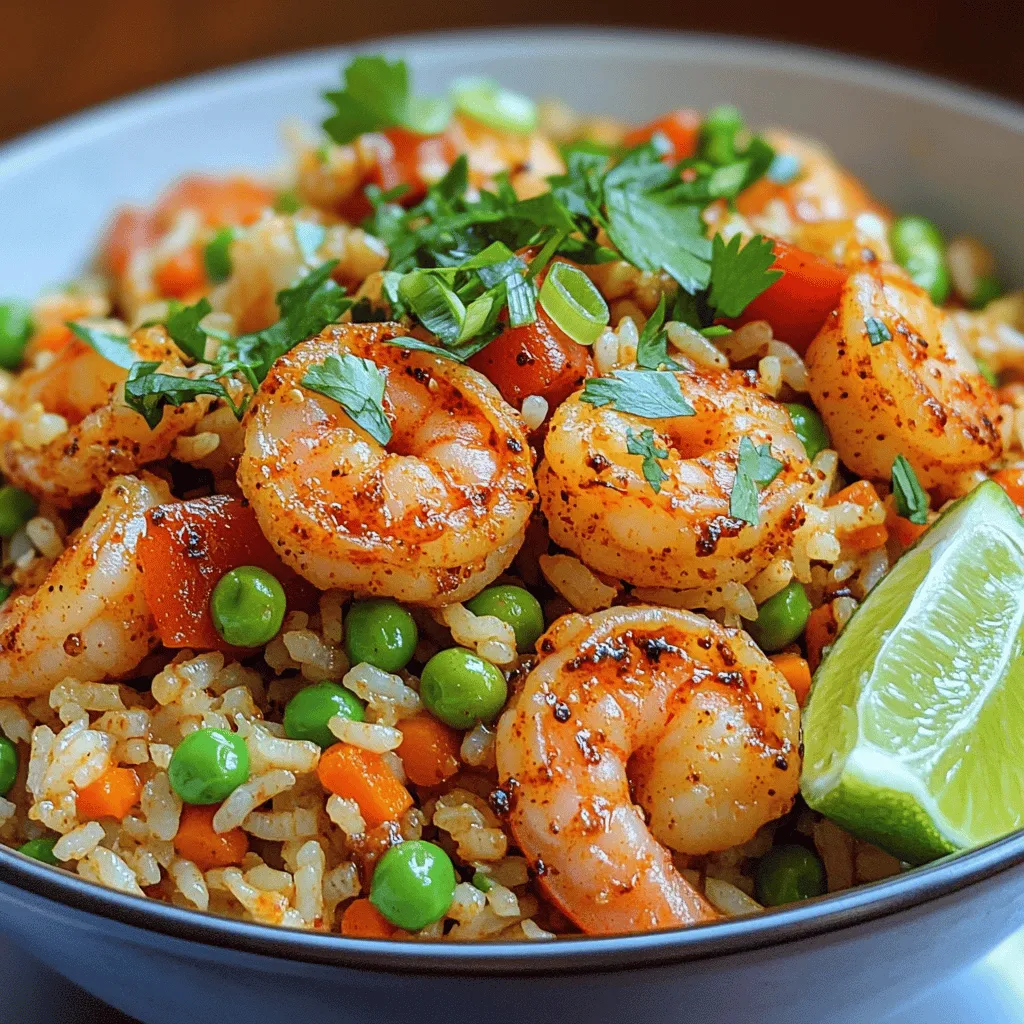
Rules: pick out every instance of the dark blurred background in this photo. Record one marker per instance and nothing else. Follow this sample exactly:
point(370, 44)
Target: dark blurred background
point(62, 55)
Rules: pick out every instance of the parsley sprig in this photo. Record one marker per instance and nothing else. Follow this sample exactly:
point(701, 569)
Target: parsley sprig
point(756, 468)
point(646, 446)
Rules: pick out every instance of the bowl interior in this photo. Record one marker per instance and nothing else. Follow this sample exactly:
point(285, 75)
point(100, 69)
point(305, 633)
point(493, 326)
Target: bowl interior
point(919, 144)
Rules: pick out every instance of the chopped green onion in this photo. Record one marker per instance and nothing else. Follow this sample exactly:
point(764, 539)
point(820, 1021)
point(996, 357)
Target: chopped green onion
point(438, 308)
point(487, 102)
point(576, 306)
point(716, 331)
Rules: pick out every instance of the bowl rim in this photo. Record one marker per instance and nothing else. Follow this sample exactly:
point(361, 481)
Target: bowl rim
point(582, 954)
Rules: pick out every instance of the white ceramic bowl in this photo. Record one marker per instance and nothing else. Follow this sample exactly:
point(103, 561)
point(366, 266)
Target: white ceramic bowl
point(922, 146)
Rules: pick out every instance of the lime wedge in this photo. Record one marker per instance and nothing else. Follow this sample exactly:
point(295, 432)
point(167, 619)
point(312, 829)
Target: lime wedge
point(914, 730)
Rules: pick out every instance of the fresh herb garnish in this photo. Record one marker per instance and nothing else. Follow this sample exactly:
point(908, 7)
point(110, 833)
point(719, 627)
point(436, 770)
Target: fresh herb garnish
point(740, 274)
point(911, 498)
point(877, 330)
point(357, 384)
point(113, 347)
point(644, 445)
point(147, 392)
point(183, 327)
point(645, 393)
point(376, 96)
point(652, 345)
point(756, 468)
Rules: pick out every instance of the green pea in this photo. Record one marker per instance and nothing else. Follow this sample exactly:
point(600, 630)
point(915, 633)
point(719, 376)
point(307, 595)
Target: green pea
point(460, 688)
point(380, 632)
point(16, 509)
point(40, 849)
point(15, 328)
point(247, 606)
point(786, 874)
point(781, 619)
point(917, 246)
point(309, 711)
point(217, 255)
point(287, 202)
point(6, 589)
point(208, 765)
point(987, 289)
point(8, 765)
point(516, 606)
point(413, 884)
point(809, 428)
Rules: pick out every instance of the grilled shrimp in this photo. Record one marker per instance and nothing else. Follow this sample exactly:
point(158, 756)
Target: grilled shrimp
point(600, 506)
point(823, 209)
point(432, 517)
point(664, 705)
point(89, 617)
point(65, 430)
point(890, 377)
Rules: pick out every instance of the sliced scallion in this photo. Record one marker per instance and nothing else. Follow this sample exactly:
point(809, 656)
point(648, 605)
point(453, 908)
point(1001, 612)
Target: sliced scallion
point(486, 101)
point(438, 308)
point(576, 306)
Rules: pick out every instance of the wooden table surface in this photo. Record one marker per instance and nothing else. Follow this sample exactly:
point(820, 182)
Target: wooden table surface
point(63, 55)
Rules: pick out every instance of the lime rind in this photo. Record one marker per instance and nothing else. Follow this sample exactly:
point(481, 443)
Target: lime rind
point(914, 730)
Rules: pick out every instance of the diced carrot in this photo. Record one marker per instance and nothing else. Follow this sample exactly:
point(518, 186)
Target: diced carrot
point(861, 493)
point(196, 840)
point(362, 920)
point(797, 673)
point(820, 631)
point(131, 230)
point(234, 200)
point(1012, 481)
point(867, 538)
point(182, 275)
point(429, 749)
point(52, 338)
point(365, 777)
point(680, 127)
point(902, 529)
point(187, 547)
point(410, 156)
point(112, 795)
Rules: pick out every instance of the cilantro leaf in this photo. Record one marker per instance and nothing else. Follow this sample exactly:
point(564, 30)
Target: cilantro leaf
point(376, 96)
point(877, 330)
point(113, 347)
point(645, 393)
point(357, 384)
point(183, 327)
point(652, 346)
point(739, 275)
point(306, 309)
point(756, 468)
point(644, 445)
point(147, 392)
point(911, 498)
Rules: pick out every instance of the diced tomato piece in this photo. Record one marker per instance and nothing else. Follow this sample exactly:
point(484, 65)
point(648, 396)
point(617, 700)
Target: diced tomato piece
point(131, 230)
point(799, 302)
point(235, 200)
point(680, 127)
point(411, 155)
point(536, 359)
point(187, 547)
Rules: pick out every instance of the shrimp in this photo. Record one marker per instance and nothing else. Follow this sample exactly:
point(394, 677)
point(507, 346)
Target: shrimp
point(432, 517)
point(664, 705)
point(89, 618)
point(601, 507)
point(823, 209)
point(65, 430)
point(890, 377)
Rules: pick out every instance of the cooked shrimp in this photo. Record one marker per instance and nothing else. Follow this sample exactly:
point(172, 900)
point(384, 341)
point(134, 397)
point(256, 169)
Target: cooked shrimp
point(65, 430)
point(432, 517)
point(665, 706)
point(600, 506)
point(915, 392)
point(823, 209)
point(88, 619)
